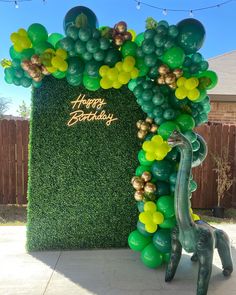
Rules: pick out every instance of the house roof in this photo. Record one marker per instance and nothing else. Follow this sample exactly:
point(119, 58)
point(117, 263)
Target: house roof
point(225, 67)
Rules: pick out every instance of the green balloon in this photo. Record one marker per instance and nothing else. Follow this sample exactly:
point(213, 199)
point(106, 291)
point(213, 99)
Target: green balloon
point(112, 57)
point(142, 159)
point(91, 83)
point(143, 68)
point(37, 84)
point(40, 47)
point(165, 204)
point(174, 57)
point(75, 66)
point(59, 74)
point(132, 84)
point(140, 206)
point(74, 80)
point(72, 32)
point(14, 54)
point(140, 169)
point(191, 35)
point(162, 240)
point(141, 229)
point(26, 82)
point(168, 223)
point(162, 170)
point(129, 48)
point(139, 39)
point(151, 257)
point(163, 188)
point(166, 257)
point(166, 129)
point(8, 79)
point(26, 54)
point(137, 241)
point(80, 47)
point(211, 78)
point(185, 122)
point(54, 38)
point(92, 68)
point(67, 44)
point(92, 45)
point(37, 33)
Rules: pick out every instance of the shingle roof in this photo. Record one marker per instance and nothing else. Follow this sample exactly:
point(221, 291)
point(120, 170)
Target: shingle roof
point(225, 67)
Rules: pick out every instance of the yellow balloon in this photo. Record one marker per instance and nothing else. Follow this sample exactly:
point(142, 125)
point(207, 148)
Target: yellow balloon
point(145, 217)
point(51, 69)
point(181, 81)
point(151, 227)
point(116, 84)
point(158, 217)
point(147, 146)
point(105, 83)
point(63, 66)
point(133, 33)
point(150, 156)
point(50, 50)
point(103, 70)
point(118, 66)
point(112, 74)
point(191, 83)
point(130, 60)
point(128, 64)
point(18, 47)
point(157, 139)
point(193, 94)
point(56, 61)
point(124, 77)
point(14, 37)
point(134, 73)
point(62, 53)
point(22, 32)
point(150, 207)
point(181, 92)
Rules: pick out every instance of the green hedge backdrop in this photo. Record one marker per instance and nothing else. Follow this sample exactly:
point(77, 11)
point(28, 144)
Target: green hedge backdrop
point(79, 192)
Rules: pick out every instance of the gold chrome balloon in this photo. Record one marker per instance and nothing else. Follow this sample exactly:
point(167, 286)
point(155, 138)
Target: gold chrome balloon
point(139, 195)
point(138, 184)
point(146, 176)
point(149, 187)
point(163, 70)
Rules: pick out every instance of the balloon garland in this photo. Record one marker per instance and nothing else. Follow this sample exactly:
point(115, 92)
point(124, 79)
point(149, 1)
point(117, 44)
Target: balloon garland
point(166, 74)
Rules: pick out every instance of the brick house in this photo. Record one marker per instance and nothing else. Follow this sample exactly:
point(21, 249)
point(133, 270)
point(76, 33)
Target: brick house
point(223, 96)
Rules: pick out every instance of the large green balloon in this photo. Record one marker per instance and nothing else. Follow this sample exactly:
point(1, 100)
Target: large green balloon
point(54, 38)
point(59, 74)
point(191, 35)
point(166, 129)
point(74, 80)
point(139, 39)
point(129, 48)
point(162, 170)
point(163, 188)
point(185, 122)
point(40, 47)
point(165, 204)
point(174, 57)
point(75, 66)
point(162, 240)
point(27, 53)
point(140, 169)
point(168, 223)
point(80, 16)
point(13, 53)
point(210, 77)
point(151, 257)
point(137, 241)
point(37, 33)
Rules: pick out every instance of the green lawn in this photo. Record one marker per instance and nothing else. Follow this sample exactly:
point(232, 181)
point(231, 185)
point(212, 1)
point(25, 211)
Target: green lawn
point(17, 215)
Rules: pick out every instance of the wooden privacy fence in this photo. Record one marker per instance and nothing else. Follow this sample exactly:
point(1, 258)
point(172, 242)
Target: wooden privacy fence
point(14, 163)
point(218, 137)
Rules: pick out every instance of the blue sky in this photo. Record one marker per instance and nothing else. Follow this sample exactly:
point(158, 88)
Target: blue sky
point(220, 25)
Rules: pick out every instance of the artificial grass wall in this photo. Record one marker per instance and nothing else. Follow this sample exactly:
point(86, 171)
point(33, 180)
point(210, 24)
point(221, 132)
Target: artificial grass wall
point(79, 193)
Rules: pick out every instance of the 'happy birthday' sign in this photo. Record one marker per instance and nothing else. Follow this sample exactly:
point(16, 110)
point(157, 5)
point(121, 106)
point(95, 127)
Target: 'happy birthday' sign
point(86, 114)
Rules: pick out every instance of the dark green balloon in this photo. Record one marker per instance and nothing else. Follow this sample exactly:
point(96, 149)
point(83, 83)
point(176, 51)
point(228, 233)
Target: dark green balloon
point(163, 188)
point(75, 66)
point(140, 206)
point(92, 45)
point(104, 43)
point(99, 55)
point(143, 68)
point(80, 15)
point(151, 257)
point(112, 57)
point(162, 240)
point(137, 241)
point(37, 84)
point(92, 68)
point(168, 223)
point(80, 47)
point(148, 46)
point(67, 44)
point(72, 32)
point(37, 33)
point(85, 34)
point(40, 47)
point(141, 229)
point(25, 82)
point(162, 170)
point(191, 35)
point(74, 80)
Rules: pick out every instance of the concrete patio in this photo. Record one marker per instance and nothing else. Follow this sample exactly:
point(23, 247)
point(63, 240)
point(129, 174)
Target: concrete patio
point(97, 272)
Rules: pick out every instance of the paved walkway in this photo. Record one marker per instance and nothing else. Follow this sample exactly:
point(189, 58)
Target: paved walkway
point(97, 272)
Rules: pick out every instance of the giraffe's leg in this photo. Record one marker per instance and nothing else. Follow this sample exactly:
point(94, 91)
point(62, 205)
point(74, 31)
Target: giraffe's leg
point(224, 250)
point(194, 257)
point(176, 250)
point(205, 250)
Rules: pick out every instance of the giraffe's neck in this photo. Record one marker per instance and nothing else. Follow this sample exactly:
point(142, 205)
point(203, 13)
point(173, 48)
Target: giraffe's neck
point(182, 204)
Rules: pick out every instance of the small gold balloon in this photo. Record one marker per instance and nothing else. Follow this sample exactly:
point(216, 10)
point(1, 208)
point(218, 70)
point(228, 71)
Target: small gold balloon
point(161, 80)
point(146, 176)
point(45, 71)
point(38, 78)
point(144, 126)
point(121, 27)
point(153, 128)
point(119, 40)
point(135, 178)
point(26, 65)
point(138, 124)
point(35, 59)
point(139, 195)
point(170, 78)
point(149, 120)
point(149, 187)
point(142, 134)
point(178, 73)
point(138, 184)
point(173, 85)
point(163, 69)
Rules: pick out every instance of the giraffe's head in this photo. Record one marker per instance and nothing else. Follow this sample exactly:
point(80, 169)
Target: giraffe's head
point(177, 138)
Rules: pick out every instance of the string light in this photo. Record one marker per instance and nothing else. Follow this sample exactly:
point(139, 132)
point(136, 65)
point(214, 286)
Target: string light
point(16, 4)
point(190, 11)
